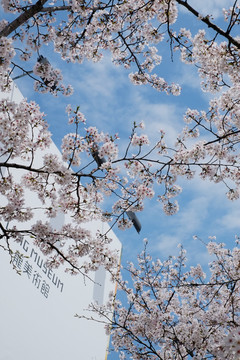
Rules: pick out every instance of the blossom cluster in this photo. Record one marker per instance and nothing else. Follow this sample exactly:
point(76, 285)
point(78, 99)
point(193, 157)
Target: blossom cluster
point(175, 313)
point(127, 29)
point(7, 53)
point(77, 185)
point(50, 77)
point(140, 140)
point(92, 165)
point(23, 129)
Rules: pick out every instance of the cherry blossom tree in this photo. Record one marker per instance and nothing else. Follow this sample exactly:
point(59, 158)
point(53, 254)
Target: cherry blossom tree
point(173, 311)
point(91, 167)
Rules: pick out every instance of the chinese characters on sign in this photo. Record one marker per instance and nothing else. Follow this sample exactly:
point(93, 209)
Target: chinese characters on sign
point(41, 277)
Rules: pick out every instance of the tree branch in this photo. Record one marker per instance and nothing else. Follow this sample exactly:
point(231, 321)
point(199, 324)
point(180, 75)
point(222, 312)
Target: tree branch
point(51, 9)
point(25, 16)
point(207, 21)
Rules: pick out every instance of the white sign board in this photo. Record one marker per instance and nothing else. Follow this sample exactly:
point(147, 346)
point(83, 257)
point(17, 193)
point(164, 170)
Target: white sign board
point(37, 310)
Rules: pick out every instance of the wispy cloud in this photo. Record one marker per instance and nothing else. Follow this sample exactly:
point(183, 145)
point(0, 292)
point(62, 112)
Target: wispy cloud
point(206, 7)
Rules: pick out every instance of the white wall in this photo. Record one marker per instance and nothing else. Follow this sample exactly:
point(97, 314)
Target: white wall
point(37, 308)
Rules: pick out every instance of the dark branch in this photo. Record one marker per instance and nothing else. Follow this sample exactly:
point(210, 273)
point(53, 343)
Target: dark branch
point(25, 16)
point(207, 21)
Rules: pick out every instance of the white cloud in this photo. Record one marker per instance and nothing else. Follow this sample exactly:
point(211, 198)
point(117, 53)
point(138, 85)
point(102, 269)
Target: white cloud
point(206, 7)
point(97, 79)
point(188, 76)
point(167, 244)
point(231, 220)
point(158, 116)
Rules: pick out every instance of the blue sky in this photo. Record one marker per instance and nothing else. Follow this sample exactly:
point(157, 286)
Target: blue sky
point(110, 102)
